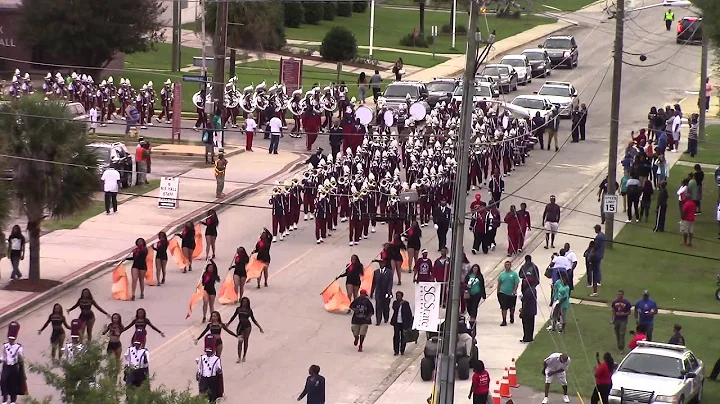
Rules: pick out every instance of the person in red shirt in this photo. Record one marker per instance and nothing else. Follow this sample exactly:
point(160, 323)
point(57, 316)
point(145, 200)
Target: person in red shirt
point(687, 224)
point(423, 269)
point(480, 387)
point(440, 271)
point(514, 231)
point(524, 219)
point(476, 204)
point(603, 378)
point(639, 336)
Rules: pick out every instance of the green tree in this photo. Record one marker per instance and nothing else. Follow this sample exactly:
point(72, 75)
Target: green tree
point(40, 133)
point(344, 9)
point(711, 18)
point(314, 12)
point(73, 383)
point(89, 32)
point(330, 10)
point(359, 6)
point(294, 14)
point(339, 45)
point(255, 25)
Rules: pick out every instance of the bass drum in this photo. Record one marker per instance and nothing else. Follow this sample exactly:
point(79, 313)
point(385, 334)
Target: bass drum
point(364, 114)
point(389, 118)
point(418, 110)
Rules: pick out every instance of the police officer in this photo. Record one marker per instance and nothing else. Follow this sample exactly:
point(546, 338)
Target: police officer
point(209, 372)
point(669, 18)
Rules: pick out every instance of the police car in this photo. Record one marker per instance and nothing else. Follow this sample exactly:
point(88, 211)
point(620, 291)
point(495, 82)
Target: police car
point(561, 94)
point(483, 92)
point(534, 104)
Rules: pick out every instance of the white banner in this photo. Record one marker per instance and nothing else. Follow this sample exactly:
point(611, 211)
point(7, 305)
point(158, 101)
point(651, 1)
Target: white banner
point(427, 306)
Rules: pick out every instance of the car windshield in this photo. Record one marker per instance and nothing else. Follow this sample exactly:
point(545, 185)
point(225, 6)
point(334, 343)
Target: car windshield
point(534, 55)
point(529, 103)
point(495, 71)
point(76, 109)
point(656, 365)
point(441, 87)
point(400, 91)
point(514, 62)
point(555, 91)
point(480, 91)
point(102, 153)
point(558, 43)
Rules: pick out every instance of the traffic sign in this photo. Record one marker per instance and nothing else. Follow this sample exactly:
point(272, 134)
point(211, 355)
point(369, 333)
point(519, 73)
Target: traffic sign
point(610, 204)
point(196, 79)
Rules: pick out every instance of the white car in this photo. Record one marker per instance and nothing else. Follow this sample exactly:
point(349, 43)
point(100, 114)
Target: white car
point(504, 75)
point(117, 155)
point(483, 92)
point(534, 104)
point(521, 65)
point(561, 94)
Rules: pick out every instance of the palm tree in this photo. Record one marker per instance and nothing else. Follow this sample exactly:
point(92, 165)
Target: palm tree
point(54, 173)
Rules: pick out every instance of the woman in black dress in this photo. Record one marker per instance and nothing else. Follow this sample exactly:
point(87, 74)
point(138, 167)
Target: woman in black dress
point(413, 244)
point(211, 223)
point(161, 257)
point(352, 274)
point(215, 327)
point(188, 244)
point(113, 331)
point(395, 256)
point(240, 273)
point(209, 279)
point(57, 338)
point(262, 248)
point(244, 314)
point(141, 322)
point(139, 266)
point(87, 318)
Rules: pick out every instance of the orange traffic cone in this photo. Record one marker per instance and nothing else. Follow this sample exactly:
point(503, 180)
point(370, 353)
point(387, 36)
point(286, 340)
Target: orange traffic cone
point(496, 399)
point(512, 376)
point(505, 387)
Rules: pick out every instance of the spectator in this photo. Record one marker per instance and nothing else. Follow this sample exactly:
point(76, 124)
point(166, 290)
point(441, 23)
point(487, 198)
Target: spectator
point(687, 224)
point(362, 87)
point(475, 292)
point(603, 378)
point(633, 199)
point(554, 368)
point(551, 221)
point(661, 209)
point(397, 69)
point(507, 286)
point(621, 308)
point(275, 126)
point(402, 321)
point(528, 310)
point(111, 186)
point(693, 135)
point(592, 262)
point(16, 251)
point(314, 387)
point(602, 191)
point(699, 176)
point(375, 82)
point(646, 200)
point(640, 335)
point(677, 338)
point(530, 272)
point(645, 311)
point(561, 296)
point(682, 190)
point(363, 311)
point(572, 257)
point(480, 387)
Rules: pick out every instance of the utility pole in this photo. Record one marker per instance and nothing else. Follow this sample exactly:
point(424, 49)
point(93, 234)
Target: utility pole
point(446, 366)
point(203, 85)
point(372, 27)
point(220, 42)
point(176, 36)
point(703, 80)
point(615, 116)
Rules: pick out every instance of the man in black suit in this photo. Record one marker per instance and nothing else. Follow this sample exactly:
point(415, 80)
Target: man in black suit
point(382, 290)
point(442, 218)
point(528, 310)
point(402, 320)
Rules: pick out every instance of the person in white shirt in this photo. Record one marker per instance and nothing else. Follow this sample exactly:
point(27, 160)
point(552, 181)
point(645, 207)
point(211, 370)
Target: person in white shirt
point(12, 362)
point(572, 257)
point(250, 128)
point(74, 347)
point(275, 134)
point(209, 371)
point(111, 186)
point(93, 119)
point(137, 360)
point(554, 368)
point(676, 125)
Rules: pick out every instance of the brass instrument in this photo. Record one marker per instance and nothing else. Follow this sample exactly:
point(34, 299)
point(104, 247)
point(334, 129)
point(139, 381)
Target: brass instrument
point(247, 103)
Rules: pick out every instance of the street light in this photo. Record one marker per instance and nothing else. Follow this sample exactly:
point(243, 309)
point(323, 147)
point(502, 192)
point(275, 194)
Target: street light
point(372, 26)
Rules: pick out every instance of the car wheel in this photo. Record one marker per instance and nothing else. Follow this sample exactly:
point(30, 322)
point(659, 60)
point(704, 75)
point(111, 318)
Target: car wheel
point(505, 89)
point(682, 400)
point(529, 80)
point(515, 87)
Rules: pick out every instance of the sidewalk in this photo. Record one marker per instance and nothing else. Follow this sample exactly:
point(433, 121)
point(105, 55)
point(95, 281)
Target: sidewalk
point(71, 256)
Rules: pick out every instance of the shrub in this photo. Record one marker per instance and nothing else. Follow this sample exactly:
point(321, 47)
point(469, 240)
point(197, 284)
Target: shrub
point(294, 14)
point(359, 6)
point(419, 42)
point(313, 12)
point(339, 45)
point(345, 9)
point(459, 29)
point(330, 9)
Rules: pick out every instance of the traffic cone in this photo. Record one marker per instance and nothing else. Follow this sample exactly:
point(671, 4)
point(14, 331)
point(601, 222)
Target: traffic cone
point(512, 376)
point(505, 387)
point(496, 399)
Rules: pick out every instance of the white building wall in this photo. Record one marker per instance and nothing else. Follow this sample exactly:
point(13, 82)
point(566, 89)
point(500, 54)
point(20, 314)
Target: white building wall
point(188, 9)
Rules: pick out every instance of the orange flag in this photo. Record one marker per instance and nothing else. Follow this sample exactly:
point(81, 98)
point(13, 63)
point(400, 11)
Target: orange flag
point(335, 299)
point(196, 297)
point(175, 251)
point(120, 283)
point(227, 294)
point(198, 242)
point(406, 260)
point(254, 268)
point(150, 273)
point(366, 278)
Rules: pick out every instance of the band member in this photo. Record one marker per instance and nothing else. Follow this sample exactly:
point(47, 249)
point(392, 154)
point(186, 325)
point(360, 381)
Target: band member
point(209, 372)
point(137, 361)
point(48, 86)
point(297, 112)
point(202, 120)
point(73, 348)
point(111, 94)
point(166, 97)
point(309, 121)
point(497, 187)
point(278, 203)
point(310, 188)
point(232, 103)
point(321, 212)
point(150, 102)
point(295, 199)
point(141, 105)
point(13, 382)
point(341, 93)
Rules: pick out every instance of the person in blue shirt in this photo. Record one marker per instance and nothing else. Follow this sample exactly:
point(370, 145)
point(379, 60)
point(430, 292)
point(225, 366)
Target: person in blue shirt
point(314, 387)
point(645, 311)
point(621, 309)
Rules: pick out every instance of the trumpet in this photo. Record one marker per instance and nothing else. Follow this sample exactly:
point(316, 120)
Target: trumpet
point(307, 175)
point(295, 181)
point(384, 183)
point(341, 181)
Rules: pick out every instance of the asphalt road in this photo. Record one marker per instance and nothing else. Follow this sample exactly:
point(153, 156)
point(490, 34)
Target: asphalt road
point(298, 332)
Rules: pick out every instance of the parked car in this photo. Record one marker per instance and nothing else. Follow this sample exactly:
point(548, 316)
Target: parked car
point(521, 64)
point(491, 82)
point(483, 92)
point(658, 373)
point(561, 94)
point(562, 49)
point(689, 30)
point(534, 104)
point(441, 90)
point(505, 75)
point(395, 93)
point(539, 62)
point(116, 154)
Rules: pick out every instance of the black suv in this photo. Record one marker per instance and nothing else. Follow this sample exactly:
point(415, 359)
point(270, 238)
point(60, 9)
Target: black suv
point(440, 90)
point(562, 50)
point(689, 30)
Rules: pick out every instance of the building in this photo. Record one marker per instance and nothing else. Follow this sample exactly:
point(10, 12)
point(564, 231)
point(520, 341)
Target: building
point(13, 54)
point(189, 10)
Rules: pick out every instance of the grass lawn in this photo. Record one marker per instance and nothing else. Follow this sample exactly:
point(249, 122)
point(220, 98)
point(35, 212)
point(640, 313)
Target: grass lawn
point(565, 5)
point(675, 279)
point(597, 336)
point(161, 58)
point(708, 150)
point(95, 208)
point(112, 137)
point(393, 24)
point(409, 59)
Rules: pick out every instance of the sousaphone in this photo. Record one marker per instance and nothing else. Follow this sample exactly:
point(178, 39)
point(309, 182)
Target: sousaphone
point(197, 99)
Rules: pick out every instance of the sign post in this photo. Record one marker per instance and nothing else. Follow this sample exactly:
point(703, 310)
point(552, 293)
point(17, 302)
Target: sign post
point(169, 193)
point(610, 204)
point(176, 111)
point(434, 34)
point(291, 73)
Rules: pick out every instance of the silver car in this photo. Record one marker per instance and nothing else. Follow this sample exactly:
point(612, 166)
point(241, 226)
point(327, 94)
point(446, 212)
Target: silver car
point(655, 373)
point(506, 76)
point(396, 93)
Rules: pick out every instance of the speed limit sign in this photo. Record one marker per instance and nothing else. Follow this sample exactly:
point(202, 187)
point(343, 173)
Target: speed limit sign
point(610, 203)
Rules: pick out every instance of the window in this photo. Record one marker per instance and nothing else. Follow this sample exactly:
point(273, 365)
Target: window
point(480, 91)
point(558, 43)
point(534, 56)
point(513, 62)
point(654, 365)
point(495, 71)
point(400, 91)
point(693, 362)
point(184, 4)
point(529, 103)
point(441, 87)
point(554, 91)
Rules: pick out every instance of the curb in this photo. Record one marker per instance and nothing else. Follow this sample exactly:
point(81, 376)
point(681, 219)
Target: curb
point(20, 306)
point(176, 155)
